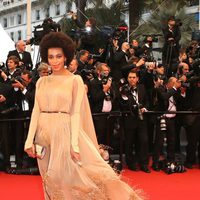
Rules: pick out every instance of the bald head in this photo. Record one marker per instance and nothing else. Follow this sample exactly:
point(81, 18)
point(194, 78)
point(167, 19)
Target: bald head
point(125, 46)
point(21, 46)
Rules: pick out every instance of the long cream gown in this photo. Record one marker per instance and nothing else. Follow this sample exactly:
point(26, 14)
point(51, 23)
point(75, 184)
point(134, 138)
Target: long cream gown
point(63, 179)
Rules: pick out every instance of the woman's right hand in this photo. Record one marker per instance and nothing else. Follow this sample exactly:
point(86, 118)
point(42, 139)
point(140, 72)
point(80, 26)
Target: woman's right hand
point(31, 151)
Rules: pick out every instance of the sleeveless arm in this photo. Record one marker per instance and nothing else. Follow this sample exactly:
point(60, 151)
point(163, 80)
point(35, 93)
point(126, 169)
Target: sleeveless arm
point(33, 122)
point(77, 98)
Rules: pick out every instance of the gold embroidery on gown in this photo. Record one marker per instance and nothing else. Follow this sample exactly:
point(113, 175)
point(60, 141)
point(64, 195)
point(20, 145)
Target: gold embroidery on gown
point(62, 178)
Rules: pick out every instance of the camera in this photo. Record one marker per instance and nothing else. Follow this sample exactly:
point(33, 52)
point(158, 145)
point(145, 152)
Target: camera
point(17, 78)
point(46, 27)
point(94, 56)
point(87, 74)
point(179, 22)
point(11, 109)
point(135, 107)
point(105, 78)
point(124, 90)
point(2, 65)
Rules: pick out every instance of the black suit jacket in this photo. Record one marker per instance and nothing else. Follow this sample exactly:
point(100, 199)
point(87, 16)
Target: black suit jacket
point(97, 96)
point(132, 121)
point(142, 99)
point(163, 96)
point(7, 91)
point(120, 60)
point(26, 58)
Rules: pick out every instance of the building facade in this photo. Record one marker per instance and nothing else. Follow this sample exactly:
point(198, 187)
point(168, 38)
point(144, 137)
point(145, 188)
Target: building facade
point(13, 15)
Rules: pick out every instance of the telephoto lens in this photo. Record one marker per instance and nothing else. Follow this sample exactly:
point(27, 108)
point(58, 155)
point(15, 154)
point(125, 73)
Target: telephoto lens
point(163, 126)
point(26, 171)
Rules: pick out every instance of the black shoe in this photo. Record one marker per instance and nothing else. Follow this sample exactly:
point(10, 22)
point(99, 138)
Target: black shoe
point(133, 167)
point(188, 165)
point(156, 167)
point(145, 169)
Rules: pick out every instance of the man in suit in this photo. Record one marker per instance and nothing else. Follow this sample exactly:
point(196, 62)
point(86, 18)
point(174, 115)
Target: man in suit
point(120, 60)
point(193, 121)
point(24, 57)
point(135, 124)
point(6, 102)
point(102, 95)
point(172, 36)
point(167, 97)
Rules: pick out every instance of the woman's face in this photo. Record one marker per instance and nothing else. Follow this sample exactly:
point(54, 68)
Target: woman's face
point(56, 59)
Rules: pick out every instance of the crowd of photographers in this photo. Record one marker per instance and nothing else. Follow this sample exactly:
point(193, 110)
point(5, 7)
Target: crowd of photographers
point(123, 78)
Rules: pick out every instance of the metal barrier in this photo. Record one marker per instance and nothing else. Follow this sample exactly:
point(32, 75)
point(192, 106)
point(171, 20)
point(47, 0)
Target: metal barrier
point(119, 115)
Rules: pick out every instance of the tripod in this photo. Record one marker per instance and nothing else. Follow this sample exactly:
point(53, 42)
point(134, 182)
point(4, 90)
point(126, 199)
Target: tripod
point(168, 60)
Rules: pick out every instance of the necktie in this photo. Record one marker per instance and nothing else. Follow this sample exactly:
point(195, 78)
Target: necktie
point(134, 89)
point(21, 55)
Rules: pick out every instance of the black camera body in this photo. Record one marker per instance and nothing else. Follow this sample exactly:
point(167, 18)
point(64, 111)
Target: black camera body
point(46, 27)
point(105, 78)
point(2, 65)
point(87, 74)
point(17, 78)
point(134, 106)
point(94, 56)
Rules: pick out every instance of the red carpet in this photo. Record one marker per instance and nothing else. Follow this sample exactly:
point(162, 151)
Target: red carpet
point(156, 185)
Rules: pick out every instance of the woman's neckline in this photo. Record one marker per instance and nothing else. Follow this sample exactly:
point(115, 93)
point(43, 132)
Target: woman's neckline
point(64, 74)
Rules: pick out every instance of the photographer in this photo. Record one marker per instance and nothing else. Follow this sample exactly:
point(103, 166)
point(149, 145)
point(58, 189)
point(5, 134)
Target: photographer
point(172, 36)
point(134, 99)
point(23, 97)
point(120, 58)
point(193, 135)
point(13, 69)
point(147, 48)
point(88, 35)
point(167, 96)
point(85, 66)
point(102, 95)
point(6, 103)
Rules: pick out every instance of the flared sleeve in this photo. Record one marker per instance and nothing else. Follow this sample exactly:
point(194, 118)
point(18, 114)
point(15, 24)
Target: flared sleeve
point(77, 98)
point(34, 120)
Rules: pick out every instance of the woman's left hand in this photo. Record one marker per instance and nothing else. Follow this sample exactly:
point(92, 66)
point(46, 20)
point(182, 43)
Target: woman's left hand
point(75, 156)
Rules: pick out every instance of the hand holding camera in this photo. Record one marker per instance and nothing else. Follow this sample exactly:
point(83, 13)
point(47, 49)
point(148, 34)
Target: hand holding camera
point(17, 84)
point(3, 75)
point(2, 98)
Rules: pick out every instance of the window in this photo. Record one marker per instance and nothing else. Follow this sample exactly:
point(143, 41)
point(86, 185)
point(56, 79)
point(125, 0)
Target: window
point(5, 22)
point(37, 14)
point(12, 20)
point(19, 19)
point(47, 13)
point(19, 35)
point(58, 9)
point(12, 35)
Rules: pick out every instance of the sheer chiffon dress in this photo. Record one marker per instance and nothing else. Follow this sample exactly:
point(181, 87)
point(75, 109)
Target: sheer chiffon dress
point(61, 119)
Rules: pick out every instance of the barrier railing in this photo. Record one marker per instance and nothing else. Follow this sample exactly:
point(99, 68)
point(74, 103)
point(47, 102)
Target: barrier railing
point(119, 115)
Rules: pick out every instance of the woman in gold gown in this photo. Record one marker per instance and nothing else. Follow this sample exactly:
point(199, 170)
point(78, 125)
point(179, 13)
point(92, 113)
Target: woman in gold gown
point(72, 168)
